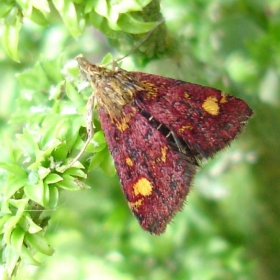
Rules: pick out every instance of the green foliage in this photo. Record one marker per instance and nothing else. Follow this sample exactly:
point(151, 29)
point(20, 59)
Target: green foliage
point(229, 228)
point(76, 15)
point(33, 165)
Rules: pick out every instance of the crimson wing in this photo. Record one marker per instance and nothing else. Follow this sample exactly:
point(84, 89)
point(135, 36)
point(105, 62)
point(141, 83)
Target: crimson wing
point(159, 137)
point(154, 175)
point(205, 119)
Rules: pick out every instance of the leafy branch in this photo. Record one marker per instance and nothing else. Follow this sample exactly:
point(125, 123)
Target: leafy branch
point(110, 18)
point(49, 121)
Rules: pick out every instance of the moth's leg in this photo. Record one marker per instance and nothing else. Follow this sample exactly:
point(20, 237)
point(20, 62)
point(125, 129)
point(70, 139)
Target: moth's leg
point(90, 128)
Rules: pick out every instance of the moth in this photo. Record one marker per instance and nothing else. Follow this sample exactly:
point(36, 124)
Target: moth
point(158, 129)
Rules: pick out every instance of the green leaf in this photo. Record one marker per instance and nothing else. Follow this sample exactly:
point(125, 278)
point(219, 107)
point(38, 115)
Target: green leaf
point(33, 177)
point(78, 1)
point(75, 172)
point(96, 148)
point(42, 5)
point(11, 153)
point(95, 19)
point(27, 257)
point(10, 35)
point(99, 137)
point(90, 6)
point(14, 169)
point(53, 178)
point(49, 141)
point(5, 7)
point(101, 7)
point(130, 24)
point(52, 68)
point(126, 6)
point(107, 30)
point(107, 165)
point(65, 128)
point(17, 238)
point(38, 17)
point(9, 227)
point(35, 191)
point(28, 224)
point(60, 153)
point(3, 220)
point(46, 196)
point(61, 128)
point(96, 160)
point(67, 11)
point(73, 94)
point(20, 204)
point(28, 144)
point(77, 121)
point(69, 183)
point(5, 207)
point(99, 143)
point(35, 78)
point(39, 242)
point(26, 6)
point(54, 196)
point(112, 10)
point(108, 58)
point(14, 183)
point(11, 258)
point(43, 172)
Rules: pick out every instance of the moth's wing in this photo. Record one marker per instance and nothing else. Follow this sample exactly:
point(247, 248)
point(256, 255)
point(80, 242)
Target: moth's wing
point(155, 178)
point(205, 118)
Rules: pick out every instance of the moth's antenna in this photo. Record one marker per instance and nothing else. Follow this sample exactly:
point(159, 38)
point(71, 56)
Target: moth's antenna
point(142, 40)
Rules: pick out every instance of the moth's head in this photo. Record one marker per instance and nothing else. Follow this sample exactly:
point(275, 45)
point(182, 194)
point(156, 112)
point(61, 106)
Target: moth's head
point(82, 62)
point(90, 72)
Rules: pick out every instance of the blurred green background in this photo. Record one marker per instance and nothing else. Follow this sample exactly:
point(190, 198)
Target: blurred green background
point(229, 228)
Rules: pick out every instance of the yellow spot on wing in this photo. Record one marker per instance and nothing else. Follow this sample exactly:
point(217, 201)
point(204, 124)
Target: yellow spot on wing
point(151, 91)
point(185, 127)
point(122, 123)
point(136, 204)
point(150, 95)
point(210, 105)
point(163, 153)
point(224, 98)
point(122, 126)
point(128, 161)
point(143, 187)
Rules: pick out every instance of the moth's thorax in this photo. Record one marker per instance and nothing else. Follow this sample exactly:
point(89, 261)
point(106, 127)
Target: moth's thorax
point(114, 87)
